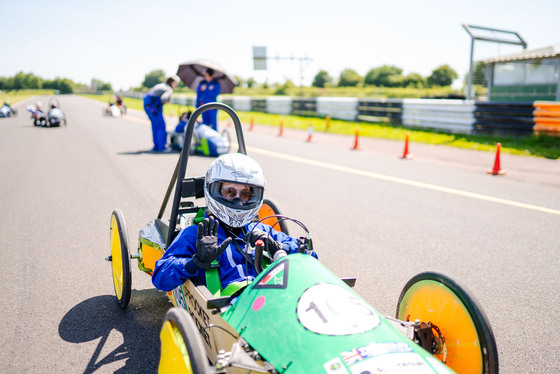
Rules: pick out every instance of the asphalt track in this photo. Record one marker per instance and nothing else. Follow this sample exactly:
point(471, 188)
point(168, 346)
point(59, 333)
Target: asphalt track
point(372, 216)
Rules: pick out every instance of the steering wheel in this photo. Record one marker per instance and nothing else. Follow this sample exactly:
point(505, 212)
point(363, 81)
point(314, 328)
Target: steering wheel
point(305, 243)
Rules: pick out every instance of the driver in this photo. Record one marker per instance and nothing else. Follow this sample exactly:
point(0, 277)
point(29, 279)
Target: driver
point(233, 190)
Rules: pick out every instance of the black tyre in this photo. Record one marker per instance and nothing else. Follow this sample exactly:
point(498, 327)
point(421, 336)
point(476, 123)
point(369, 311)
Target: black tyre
point(120, 259)
point(182, 348)
point(470, 346)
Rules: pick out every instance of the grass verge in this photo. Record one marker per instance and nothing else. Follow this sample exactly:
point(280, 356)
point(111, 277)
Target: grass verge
point(542, 146)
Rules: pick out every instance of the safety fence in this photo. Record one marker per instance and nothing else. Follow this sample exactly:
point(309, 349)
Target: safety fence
point(503, 117)
point(547, 118)
point(447, 115)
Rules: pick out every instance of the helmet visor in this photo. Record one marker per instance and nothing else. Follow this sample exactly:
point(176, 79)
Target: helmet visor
point(236, 195)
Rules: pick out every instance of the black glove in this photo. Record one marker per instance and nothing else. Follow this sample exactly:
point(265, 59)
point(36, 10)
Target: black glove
point(207, 248)
point(271, 245)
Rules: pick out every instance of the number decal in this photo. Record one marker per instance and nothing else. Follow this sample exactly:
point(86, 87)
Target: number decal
point(313, 306)
point(330, 309)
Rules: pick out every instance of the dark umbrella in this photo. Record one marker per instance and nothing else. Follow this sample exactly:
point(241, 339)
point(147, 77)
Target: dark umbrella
point(192, 72)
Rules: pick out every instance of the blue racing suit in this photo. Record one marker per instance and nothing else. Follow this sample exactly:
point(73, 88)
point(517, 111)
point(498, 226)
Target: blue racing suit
point(209, 95)
point(153, 106)
point(170, 271)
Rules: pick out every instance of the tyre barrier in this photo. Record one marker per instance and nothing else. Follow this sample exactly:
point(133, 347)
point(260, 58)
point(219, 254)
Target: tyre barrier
point(258, 105)
point(380, 110)
point(279, 105)
point(495, 118)
point(304, 107)
point(447, 115)
point(547, 118)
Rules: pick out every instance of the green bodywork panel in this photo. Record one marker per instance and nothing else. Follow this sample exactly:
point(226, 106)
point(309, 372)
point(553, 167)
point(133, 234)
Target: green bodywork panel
point(301, 318)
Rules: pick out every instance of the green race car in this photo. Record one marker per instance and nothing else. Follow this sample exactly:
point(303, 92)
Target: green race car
point(297, 316)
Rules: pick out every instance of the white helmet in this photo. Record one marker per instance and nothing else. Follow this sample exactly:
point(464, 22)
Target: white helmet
point(234, 168)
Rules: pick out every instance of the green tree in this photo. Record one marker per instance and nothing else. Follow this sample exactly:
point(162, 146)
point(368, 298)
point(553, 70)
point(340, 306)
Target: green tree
point(96, 84)
point(381, 76)
point(63, 85)
point(154, 77)
point(349, 78)
point(17, 83)
point(479, 74)
point(322, 79)
point(239, 80)
point(442, 76)
point(284, 88)
point(31, 81)
point(414, 80)
point(251, 82)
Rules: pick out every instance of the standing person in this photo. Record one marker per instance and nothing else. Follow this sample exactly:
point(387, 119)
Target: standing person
point(154, 100)
point(207, 92)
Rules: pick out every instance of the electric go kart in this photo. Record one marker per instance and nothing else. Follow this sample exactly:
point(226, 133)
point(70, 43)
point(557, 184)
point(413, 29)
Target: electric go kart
point(7, 111)
point(55, 115)
point(297, 316)
point(205, 141)
point(37, 114)
point(115, 108)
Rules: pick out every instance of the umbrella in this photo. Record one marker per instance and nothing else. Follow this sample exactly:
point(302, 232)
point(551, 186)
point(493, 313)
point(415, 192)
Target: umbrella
point(192, 73)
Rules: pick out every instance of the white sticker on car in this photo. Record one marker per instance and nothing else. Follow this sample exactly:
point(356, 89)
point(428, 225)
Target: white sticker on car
point(330, 309)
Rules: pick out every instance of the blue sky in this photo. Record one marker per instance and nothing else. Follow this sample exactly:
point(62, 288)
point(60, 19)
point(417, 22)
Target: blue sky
point(120, 41)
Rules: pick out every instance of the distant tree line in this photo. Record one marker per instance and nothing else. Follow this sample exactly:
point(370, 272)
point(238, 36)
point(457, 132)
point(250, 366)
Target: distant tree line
point(30, 81)
point(387, 76)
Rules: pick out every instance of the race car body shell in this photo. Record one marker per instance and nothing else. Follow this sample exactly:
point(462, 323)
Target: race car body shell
point(301, 318)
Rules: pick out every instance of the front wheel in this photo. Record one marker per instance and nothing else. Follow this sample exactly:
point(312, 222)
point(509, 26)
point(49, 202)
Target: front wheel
point(120, 259)
point(182, 349)
point(435, 299)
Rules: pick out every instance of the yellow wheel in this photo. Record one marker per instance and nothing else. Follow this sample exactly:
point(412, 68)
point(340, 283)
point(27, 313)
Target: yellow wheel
point(182, 349)
point(468, 344)
point(120, 258)
point(270, 208)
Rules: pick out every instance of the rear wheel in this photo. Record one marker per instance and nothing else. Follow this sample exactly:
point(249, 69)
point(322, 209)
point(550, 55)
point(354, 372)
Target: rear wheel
point(469, 344)
point(182, 349)
point(269, 208)
point(120, 259)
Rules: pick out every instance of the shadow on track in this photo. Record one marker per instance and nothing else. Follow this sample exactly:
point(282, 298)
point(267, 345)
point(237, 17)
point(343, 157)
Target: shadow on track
point(139, 325)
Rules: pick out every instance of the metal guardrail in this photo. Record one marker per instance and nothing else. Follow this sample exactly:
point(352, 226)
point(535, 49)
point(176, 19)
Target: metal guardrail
point(454, 116)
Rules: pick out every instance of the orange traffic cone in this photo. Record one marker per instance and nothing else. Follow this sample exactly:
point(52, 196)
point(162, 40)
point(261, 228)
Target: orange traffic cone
point(229, 124)
point(309, 133)
point(251, 124)
point(281, 129)
point(497, 170)
point(405, 154)
point(356, 147)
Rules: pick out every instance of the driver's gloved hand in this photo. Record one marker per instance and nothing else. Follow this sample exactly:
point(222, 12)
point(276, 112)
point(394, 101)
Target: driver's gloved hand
point(271, 245)
point(207, 248)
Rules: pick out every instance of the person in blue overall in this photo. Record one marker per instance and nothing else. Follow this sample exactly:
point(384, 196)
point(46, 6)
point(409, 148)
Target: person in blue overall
point(207, 92)
point(233, 189)
point(154, 100)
